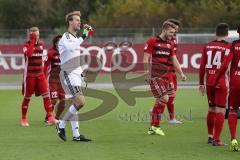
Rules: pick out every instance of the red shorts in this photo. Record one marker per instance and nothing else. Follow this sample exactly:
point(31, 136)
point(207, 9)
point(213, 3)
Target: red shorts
point(37, 85)
point(234, 98)
point(56, 90)
point(160, 87)
point(217, 96)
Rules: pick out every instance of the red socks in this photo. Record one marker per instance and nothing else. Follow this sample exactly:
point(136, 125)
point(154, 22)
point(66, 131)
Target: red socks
point(48, 106)
point(60, 109)
point(155, 113)
point(170, 107)
point(25, 104)
point(232, 123)
point(219, 122)
point(210, 122)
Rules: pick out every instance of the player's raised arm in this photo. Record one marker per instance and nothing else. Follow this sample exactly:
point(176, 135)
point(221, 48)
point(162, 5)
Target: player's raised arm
point(28, 48)
point(147, 65)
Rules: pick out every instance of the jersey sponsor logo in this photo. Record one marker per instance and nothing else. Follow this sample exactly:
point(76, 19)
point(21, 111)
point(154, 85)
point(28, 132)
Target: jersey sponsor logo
point(163, 52)
point(37, 54)
point(216, 47)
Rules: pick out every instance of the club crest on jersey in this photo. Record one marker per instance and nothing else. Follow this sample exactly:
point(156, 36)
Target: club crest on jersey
point(168, 45)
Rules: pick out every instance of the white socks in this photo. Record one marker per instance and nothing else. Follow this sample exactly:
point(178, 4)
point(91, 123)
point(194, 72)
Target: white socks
point(72, 116)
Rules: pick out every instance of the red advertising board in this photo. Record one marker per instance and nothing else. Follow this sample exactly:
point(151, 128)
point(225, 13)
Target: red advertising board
point(12, 61)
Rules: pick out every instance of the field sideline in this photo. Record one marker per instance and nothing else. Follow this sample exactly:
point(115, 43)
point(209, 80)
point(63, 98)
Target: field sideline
point(119, 134)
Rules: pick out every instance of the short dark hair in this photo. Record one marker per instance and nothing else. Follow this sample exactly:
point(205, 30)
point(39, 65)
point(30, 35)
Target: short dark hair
point(174, 21)
point(222, 29)
point(55, 40)
point(167, 25)
point(238, 28)
point(69, 16)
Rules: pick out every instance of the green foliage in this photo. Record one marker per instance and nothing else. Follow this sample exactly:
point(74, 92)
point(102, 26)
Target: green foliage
point(15, 14)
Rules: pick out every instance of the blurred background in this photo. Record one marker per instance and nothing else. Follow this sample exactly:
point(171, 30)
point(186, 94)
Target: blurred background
point(114, 21)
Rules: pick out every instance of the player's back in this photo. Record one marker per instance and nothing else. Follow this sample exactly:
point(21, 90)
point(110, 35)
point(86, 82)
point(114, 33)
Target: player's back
point(235, 65)
point(214, 54)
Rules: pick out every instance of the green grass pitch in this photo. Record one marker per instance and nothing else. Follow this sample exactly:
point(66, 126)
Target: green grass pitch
point(116, 135)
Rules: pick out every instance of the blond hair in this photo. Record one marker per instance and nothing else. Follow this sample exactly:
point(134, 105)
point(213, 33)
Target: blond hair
point(167, 25)
point(70, 15)
point(34, 29)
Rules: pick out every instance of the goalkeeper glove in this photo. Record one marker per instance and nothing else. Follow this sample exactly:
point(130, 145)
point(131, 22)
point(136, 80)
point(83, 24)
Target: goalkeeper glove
point(87, 31)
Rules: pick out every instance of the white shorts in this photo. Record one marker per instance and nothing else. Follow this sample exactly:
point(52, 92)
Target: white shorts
point(71, 83)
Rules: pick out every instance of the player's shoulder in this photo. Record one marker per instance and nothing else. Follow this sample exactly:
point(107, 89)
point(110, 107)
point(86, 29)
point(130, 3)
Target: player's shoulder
point(51, 51)
point(217, 44)
point(26, 44)
point(153, 39)
point(235, 42)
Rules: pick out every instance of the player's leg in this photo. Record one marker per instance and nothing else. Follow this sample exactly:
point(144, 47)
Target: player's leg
point(62, 101)
point(155, 114)
point(220, 100)
point(28, 89)
point(234, 102)
point(60, 108)
point(75, 93)
point(160, 92)
point(42, 88)
point(170, 104)
point(211, 115)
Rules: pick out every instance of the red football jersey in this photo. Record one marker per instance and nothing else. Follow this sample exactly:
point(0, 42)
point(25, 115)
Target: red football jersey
point(213, 56)
point(52, 65)
point(235, 65)
point(33, 59)
point(161, 52)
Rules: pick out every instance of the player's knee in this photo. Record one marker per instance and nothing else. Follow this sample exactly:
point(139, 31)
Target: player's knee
point(221, 109)
point(62, 102)
point(79, 101)
point(27, 98)
point(54, 101)
point(164, 99)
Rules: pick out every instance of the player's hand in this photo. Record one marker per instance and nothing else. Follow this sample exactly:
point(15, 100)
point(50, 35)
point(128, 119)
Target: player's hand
point(201, 90)
point(32, 37)
point(183, 77)
point(87, 30)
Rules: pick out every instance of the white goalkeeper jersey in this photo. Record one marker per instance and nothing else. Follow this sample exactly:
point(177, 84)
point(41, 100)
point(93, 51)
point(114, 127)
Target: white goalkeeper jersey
point(69, 49)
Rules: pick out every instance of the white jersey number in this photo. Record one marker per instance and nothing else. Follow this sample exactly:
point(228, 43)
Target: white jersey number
point(215, 61)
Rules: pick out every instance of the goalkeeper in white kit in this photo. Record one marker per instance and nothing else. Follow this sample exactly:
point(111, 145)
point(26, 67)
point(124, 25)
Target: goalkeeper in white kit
point(71, 73)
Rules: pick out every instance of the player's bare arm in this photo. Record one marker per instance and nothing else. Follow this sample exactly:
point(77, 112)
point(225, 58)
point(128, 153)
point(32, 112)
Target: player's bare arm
point(147, 66)
point(178, 68)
